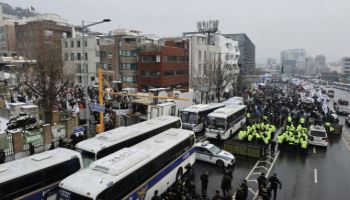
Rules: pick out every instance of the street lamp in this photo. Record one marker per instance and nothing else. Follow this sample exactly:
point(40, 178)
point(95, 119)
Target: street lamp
point(83, 27)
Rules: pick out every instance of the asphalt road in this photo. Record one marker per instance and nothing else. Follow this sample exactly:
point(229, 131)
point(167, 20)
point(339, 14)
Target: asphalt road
point(322, 173)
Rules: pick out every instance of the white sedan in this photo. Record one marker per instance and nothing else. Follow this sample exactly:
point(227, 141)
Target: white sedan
point(208, 152)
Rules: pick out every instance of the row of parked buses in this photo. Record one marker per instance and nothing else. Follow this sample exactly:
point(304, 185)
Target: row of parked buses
point(342, 86)
point(217, 120)
point(124, 163)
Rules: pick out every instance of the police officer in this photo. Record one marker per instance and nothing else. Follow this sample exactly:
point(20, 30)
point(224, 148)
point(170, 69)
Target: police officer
point(204, 180)
point(273, 147)
point(261, 180)
point(274, 182)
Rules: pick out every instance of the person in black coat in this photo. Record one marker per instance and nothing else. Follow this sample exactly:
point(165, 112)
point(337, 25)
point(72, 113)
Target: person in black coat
point(225, 184)
point(2, 156)
point(31, 149)
point(274, 183)
point(261, 180)
point(52, 146)
point(204, 180)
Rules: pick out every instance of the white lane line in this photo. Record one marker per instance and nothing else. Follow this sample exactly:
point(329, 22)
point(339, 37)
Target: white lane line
point(314, 149)
point(315, 175)
point(347, 145)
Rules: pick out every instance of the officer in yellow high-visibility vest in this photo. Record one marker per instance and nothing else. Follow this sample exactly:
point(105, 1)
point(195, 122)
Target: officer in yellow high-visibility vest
point(289, 119)
point(302, 121)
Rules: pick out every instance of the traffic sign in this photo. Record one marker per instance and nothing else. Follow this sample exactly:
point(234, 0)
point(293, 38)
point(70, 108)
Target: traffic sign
point(97, 108)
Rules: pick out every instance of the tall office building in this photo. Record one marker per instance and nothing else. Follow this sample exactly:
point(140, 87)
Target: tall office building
point(293, 60)
point(246, 61)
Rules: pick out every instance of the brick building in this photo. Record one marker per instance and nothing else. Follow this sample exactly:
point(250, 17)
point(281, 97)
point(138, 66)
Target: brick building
point(163, 66)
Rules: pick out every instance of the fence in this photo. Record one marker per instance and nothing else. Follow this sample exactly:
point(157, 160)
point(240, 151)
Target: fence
point(9, 151)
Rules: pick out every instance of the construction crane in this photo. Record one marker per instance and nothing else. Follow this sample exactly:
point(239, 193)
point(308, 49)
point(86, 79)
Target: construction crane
point(100, 126)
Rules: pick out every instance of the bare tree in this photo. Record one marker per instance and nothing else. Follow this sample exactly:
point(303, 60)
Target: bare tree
point(45, 79)
point(222, 75)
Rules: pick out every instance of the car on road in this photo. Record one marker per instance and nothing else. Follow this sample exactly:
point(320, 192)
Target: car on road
point(210, 153)
point(330, 93)
point(343, 110)
point(343, 102)
point(318, 136)
point(347, 120)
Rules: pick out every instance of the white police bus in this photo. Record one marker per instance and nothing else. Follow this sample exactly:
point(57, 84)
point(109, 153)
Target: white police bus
point(223, 122)
point(194, 117)
point(36, 177)
point(111, 141)
point(135, 172)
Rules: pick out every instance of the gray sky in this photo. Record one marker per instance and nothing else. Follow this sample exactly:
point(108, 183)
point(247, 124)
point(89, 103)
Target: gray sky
point(319, 26)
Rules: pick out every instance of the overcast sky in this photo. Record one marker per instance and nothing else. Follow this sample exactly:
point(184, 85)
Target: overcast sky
point(319, 26)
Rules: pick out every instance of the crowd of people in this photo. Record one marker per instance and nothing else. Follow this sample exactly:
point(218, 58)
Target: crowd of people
point(258, 133)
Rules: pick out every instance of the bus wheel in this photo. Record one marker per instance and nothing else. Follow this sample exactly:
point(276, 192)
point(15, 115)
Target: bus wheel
point(219, 163)
point(179, 174)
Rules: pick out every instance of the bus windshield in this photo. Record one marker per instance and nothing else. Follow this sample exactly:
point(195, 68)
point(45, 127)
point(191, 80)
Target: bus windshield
point(88, 157)
point(216, 123)
point(188, 117)
point(67, 195)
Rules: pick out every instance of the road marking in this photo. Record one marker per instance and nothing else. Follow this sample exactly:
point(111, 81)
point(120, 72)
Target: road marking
point(314, 150)
point(315, 175)
point(347, 145)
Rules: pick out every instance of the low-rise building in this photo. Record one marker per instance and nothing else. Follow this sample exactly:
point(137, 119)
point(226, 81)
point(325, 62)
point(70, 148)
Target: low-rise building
point(163, 66)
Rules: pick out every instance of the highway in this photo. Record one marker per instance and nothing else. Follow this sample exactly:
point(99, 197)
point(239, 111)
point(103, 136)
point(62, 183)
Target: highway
point(322, 173)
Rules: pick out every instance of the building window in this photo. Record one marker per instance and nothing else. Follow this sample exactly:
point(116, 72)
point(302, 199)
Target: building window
point(78, 56)
point(86, 56)
point(78, 69)
point(48, 33)
point(205, 56)
point(72, 56)
point(78, 44)
point(199, 55)
point(129, 79)
point(110, 66)
point(169, 73)
point(103, 54)
point(128, 66)
point(92, 78)
point(110, 55)
point(98, 41)
point(147, 59)
point(152, 74)
point(79, 79)
point(71, 44)
point(199, 69)
point(66, 44)
point(66, 56)
point(128, 52)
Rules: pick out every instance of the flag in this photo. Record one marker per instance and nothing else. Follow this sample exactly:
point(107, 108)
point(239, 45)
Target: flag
point(32, 8)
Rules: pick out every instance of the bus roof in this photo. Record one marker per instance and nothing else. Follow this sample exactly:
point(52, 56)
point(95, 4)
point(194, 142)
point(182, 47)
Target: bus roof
point(112, 168)
point(114, 136)
point(201, 107)
point(226, 111)
point(23, 166)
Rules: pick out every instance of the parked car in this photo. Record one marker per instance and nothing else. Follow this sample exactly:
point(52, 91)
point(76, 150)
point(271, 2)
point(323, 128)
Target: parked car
point(318, 136)
point(210, 153)
point(347, 120)
point(343, 102)
point(343, 110)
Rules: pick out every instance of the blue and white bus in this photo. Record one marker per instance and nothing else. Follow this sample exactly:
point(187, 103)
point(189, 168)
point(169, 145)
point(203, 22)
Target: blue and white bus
point(224, 122)
point(36, 177)
point(111, 141)
point(135, 172)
